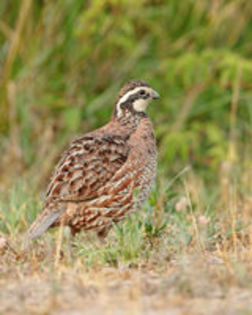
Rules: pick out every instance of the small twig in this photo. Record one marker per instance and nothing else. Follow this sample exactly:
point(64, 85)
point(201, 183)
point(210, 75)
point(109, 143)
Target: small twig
point(59, 245)
point(233, 114)
point(182, 172)
point(194, 221)
point(5, 245)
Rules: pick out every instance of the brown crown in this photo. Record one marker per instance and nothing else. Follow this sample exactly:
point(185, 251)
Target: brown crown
point(130, 86)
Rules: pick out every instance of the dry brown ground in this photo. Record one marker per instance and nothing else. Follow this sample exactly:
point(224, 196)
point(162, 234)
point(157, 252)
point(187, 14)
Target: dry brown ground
point(187, 284)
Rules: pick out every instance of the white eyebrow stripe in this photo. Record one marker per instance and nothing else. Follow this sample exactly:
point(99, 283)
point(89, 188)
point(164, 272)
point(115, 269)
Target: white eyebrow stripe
point(128, 94)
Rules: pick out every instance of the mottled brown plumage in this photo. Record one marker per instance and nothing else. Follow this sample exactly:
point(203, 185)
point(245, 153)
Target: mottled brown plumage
point(106, 173)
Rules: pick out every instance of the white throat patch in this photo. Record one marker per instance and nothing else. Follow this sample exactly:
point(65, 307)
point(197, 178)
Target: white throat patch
point(139, 105)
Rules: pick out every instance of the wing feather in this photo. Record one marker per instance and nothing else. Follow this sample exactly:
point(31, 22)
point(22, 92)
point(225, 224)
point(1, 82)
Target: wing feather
point(89, 163)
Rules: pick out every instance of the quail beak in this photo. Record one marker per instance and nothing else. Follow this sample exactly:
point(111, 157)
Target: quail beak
point(155, 95)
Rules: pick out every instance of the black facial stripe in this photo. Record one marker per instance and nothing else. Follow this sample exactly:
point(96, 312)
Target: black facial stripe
point(128, 106)
point(128, 103)
point(132, 98)
point(137, 96)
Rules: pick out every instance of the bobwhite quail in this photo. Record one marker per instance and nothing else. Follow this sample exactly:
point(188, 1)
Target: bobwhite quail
point(107, 173)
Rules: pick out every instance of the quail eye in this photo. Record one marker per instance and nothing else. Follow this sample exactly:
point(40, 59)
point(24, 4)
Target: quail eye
point(142, 92)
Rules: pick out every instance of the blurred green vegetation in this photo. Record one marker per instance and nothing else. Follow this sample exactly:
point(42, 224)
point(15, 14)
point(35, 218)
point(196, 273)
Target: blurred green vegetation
point(62, 63)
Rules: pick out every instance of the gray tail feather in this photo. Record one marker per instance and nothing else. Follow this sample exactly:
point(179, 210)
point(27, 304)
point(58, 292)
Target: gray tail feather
point(43, 222)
